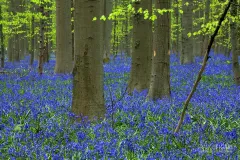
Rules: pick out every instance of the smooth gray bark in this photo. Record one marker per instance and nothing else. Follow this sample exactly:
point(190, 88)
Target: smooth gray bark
point(88, 99)
point(64, 37)
point(141, 49)
point(160, 76)
point(233, 32)
point(187, 55)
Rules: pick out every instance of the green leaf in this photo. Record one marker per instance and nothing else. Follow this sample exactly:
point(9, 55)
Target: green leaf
point(146, 14)
point(160, 11)
point(153, 17)
point(103, 18)
point(129, 7)
point(18, 127)
point(140, 10)
point(111, 16)
point(228, 62)
point(94, 18)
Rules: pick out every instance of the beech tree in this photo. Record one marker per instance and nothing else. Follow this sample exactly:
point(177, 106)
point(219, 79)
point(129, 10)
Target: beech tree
point(160, 75)
point(206, 19)
point(233, 28)
point(13, 40)
point(187, 42)
point(141, 47)
point(1, 40)
point(177, 46)
point(88, 99)
point(198, 21)
point(107, 29)
point(22, 28)
point(63, 37)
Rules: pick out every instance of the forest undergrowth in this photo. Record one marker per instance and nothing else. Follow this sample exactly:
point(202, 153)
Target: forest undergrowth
point(35, 113)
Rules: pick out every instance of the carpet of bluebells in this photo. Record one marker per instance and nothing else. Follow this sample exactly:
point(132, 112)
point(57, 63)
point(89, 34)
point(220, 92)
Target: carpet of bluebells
point(35, 113)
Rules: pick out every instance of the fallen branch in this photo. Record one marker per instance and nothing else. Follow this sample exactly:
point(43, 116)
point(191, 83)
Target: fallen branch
point(206, 57)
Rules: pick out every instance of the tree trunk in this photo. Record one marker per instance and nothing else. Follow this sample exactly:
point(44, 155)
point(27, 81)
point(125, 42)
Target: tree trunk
point(48, 30)
point(142, 48)
point(177, 28)
point(107, 29)
point(233, 32)
point(42, 45)
point(2, 42)
point(17, 50)
point(180, 36)
point(72, 27)
point(128, 36)
point(187, 42)
point(194, 29)
point(36, 44)
point(88, 99)
point(206, 37)
point(160, 76)
point(10, 48)
point(22, 47)
point(64, 37)
point(26, 44)
point(13, 45)
point(32, 40)
point(115, 40)
point(198, 38)
point(227, 37)
point(36, 36)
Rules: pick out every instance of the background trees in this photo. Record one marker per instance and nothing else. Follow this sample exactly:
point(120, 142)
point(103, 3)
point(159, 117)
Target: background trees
point(187, 55)
point(63, 37)
point(2, 40)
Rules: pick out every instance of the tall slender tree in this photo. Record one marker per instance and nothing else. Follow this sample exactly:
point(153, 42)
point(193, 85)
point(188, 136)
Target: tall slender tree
point(22, 36)
point(206, 19)
point(32, 36)
point(36, 36)
point(196, 27)
point(141, 48)
point(199, 38)
point(64, 37)
point(107, 29)
point(13, 45)
point(127, 33)
point(36, 42)
point(178, 26)
point(10, 48)
point(1, 40)
point(233, 32)
point(187, 22)
point(72, 24)
point(41, 42)
point(88, 99)
point(160, 76)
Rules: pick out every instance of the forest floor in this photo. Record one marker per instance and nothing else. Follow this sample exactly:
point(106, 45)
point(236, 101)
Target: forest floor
point(35, 111)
